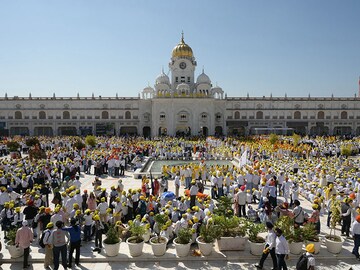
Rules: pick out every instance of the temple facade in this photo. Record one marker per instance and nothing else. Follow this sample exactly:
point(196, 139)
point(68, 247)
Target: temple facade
point(179, 104)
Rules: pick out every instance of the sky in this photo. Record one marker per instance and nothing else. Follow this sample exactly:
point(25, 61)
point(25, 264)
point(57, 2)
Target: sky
point(109, 47)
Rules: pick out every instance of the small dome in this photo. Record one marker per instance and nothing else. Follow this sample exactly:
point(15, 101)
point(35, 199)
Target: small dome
point(148, 89)
point(203, 78)
point(162, 78)
point(182, 49)
point(216, 89)
point(183, 86)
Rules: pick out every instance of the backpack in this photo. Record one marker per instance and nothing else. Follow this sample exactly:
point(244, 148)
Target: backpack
point(302, 262)
point(41, 241)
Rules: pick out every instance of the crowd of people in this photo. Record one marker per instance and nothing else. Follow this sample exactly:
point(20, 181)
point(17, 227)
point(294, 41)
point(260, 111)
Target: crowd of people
point(44, 199)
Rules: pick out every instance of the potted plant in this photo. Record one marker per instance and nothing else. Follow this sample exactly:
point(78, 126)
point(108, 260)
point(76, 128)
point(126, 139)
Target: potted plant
point(255, 241)
point(232, 228)
point(311, 237)
point(135, 241)
point(293, 234)
point(232, 232)
point(112, 242)
point(15, 252)
point(158, 243)
point(13, 148)
point(207, 237)
point(333, 242)
point(183, 242)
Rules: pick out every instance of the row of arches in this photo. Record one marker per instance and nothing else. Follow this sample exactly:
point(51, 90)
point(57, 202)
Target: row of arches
point(66, 115)
point(297, 115)
point(72, 131)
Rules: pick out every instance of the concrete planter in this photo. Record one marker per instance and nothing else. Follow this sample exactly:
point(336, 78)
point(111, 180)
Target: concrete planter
point(158, 249)
point(15, 252)
point(296, 247)
point(334, 247)
point(231, 243)
point(182, 250)
point(205, 248)
point(135, 249)
point(112, 249)
point(256, 248)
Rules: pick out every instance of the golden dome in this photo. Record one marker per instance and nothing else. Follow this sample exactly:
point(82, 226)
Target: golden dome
point(182, 49)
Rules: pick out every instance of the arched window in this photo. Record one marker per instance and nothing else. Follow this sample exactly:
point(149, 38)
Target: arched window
point(321, 115)
point(127, 115)
point(42, 115)
point(237, 115)
point(105, 115)
point(259, 115)
point(18, 115)
point(344, 115)
point(297, 115)
point(66, 115)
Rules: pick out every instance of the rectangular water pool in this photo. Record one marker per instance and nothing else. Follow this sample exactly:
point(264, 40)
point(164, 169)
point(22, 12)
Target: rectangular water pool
point(156, 165)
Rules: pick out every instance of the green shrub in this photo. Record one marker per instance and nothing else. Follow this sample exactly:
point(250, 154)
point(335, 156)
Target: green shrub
point(136, 232)
point(253, 230)
point(13, 146)
point(11, 235)
point(184, 236)
point(224, 207)
point(78, 144)
point(296, 139)
point(346, 150)
point(209, 232)
point(292, 234)
point(32, 141)
point(310, 233)
point(273, 138)
point(112, 236)
point(90, 140)
point(230, 226)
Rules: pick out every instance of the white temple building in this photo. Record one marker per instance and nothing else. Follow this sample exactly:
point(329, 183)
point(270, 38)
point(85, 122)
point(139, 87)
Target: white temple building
point(179, 104)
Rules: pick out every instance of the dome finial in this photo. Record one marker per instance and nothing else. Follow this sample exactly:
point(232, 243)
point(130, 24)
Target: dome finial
point(203, 70)
point(182, 36)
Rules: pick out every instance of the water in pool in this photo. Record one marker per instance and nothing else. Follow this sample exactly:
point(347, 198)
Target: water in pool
point(156, 165)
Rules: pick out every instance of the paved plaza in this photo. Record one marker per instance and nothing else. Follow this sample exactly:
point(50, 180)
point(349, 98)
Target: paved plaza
point(218, 260)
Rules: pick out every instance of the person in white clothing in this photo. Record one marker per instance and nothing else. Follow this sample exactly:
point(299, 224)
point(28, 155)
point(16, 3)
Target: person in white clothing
point(269, 247)
point(281, 249)
point(286, 186)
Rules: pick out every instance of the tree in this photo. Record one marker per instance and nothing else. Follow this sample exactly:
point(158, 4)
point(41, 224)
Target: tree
point(90, 140)
point(273, 138)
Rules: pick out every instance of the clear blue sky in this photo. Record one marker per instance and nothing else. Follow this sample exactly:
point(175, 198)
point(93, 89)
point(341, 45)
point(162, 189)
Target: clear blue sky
point(113, 46)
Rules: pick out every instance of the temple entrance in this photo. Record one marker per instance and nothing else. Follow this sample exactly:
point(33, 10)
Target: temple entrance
point(67, 131)
point(147, 132)
point(128, 131)
point(43, 131)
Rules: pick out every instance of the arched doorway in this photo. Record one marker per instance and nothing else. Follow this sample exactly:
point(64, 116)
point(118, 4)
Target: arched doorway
point(319, 129)
point(43, 131)
point(183, 130)
point(67, 131)
point(162, 131)
point(22, 131)
point(218, 131)
point(204, 131)
point(146, 132)
point(341, 131)
point(128, 131)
